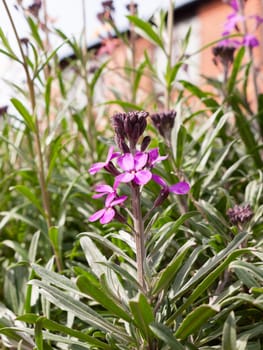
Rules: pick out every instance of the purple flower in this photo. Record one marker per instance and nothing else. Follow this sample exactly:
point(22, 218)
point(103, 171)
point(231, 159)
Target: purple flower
point(250, 40)
point(98, 166)
point(232, 21)
point(235, 5)
point(107, 214)
point(154, 157)
point(103, 190)
point(134, 169)
point(258, 19)
point(179, 188)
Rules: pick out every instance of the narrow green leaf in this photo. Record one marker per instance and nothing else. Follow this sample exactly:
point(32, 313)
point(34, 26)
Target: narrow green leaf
point(68, 303)
point(102, 297)
point(48, 94)
point(27, 117)
point(5, 42)
point(229, 333)
point(56, 327)
point(180, 146)
point(33, 248)
point(30, 196)
point(202, 95)
point(143, 315)
point(247, 135)
point(96, 76)
point(165, 277)
point(34, 31)
point(50, 277)
point(164, 333)
point(235, 70)
point(147, 29)
point(38, 334)
point(53, 234)
point(196, 319)
point(109, 245)
point(16, 248)
point(171, 73)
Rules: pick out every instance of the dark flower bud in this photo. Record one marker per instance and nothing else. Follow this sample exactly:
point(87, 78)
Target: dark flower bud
point(162, 197)
point(145, 143)
point(225, 54)
point(110, 167)
point(24, 41)
point(132, 8)
point(129, 125)
point(3, 110)
point(104, 16)
point(164, 122)
point(108, 5)
point(240, 214)
point(34, 8)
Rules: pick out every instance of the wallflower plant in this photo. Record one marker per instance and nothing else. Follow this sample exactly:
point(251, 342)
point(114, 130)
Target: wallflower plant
point(134, 168)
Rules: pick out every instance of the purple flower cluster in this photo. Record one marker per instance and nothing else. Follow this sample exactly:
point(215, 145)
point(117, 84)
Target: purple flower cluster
point(130, 166)
point(231, 26)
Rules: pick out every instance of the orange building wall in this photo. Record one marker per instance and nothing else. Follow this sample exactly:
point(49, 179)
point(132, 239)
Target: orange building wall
point(212, 15)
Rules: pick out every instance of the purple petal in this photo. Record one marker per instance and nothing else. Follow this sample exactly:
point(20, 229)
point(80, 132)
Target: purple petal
point(110, 153)
point(96, 167)
point(126, 162)
point(180, 188)
point(142, 177)
point(235, 5)
point(140, 160)
point(108, 201)
point(97, 215)
point(104, 188)
point(108, 216)
point(154, 156)
point(125, 177)
point(119, 200)
point(159, 180)
point(250, 41)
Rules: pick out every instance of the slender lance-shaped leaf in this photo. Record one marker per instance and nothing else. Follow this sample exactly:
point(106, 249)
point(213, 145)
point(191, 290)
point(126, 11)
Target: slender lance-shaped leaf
point(143, 315)
point(30, 196)
point(98, 293)
point(164, 333)
point(56, 327)
point(235, 70)
point(165, 277)
point(27, 117)
point(38, 334)
point(229, 333)
point(195, 320)
point(147, 29)
point(206, 283)
point(78, 309)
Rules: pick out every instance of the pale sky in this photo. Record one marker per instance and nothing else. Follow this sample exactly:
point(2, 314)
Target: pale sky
point(67, 16)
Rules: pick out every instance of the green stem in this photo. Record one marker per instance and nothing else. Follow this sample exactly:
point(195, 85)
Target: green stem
point(139, 235)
